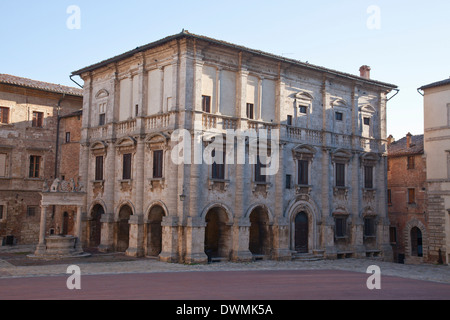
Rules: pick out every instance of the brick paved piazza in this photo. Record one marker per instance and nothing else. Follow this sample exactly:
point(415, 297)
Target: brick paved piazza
point(118, 277)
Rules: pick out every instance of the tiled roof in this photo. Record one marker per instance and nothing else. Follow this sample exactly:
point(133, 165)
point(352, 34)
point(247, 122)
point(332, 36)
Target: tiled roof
point(436, 84)
point(187, 34)
point(399, 148)
point(40, 85)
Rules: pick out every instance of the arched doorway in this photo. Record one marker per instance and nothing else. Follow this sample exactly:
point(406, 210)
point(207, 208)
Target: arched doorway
point(123, 234)
point(259, 238)
point(217, 233)
point(416, 242)
point(301, 232)
point(154, 231)
point(95, 226)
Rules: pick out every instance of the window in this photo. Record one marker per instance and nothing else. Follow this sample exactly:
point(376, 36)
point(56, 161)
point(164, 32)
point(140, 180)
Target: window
point(38, 119)
point(303, 109)
point(101, 114)
point(411, 196)
point(4, 115)
point(289, 120)
point(340, 175)
point(288, 181)
point(158, 164)
point(389, 197)
point(369, 227)
point(67, 137)
point(126, 173)
point(258, 176)
point(411, 163)
point(35, 163)
point(31, 211)
point(99, 168)
point(303, 172)
point(340, 227)
point(206, 104)
point(218, 169)
point(1, 212)
point(250, 108)
point(101, 119)
point(368, 177)
point(3, 157)
point(393, 234)
point(339, 116)
point(367, 121)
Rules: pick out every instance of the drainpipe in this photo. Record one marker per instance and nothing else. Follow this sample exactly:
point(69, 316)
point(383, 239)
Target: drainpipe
point(57, 134)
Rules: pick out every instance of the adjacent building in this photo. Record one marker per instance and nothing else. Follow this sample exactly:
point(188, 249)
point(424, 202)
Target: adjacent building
point(437, 153)
point(328, 196)
point(407, 199)
point(30, 113)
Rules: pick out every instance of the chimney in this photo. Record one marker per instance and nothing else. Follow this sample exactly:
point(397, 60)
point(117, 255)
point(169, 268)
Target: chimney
point(408, 140)
point(365, 72)
point(390, 139)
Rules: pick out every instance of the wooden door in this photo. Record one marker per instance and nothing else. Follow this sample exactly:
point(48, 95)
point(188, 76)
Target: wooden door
point(301, 232)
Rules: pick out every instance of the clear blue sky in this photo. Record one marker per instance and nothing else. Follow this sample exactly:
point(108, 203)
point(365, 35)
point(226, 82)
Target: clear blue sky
point(409, 47)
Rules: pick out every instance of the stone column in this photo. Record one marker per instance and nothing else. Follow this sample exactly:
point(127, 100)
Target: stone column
point(169, 239)
point(281, 240)
point(195, 236)
point(241, 252)
point(41, 247)
point(107, 233)
point(136, 240)
point(79, 231)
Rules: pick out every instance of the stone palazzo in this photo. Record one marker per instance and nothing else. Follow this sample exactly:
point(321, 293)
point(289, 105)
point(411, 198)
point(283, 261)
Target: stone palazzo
point(327, 198)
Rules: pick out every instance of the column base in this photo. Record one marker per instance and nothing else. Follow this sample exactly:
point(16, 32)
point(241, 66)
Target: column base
point(193, 258)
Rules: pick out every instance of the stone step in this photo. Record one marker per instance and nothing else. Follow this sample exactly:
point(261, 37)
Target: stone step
point(306, 257)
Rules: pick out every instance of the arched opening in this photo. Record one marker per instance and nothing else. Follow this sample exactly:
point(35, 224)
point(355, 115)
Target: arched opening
point(95, 226)
point(217, 233)
point(259, 239)
point(154, 231)
point(416, 242)
point(123, 236)
point(301, 232)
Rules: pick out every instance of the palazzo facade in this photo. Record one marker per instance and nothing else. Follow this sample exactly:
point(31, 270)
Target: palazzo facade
point(327, 198)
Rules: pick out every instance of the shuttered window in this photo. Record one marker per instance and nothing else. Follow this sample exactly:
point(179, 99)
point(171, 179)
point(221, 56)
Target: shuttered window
point(99, 168)
point(35, 162)
point(126, 166)
point(38, 119)
point(218, 169)
point(368, 177)
point(303, 172)
point(4, 115)
point(157, 164)
point(340, 175)
point(258, 176)
point(206, 104)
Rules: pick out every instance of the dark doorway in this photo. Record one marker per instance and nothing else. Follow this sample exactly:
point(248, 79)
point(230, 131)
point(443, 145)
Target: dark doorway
point(154, 231)
point(259, 240)
point(416, 242)
point(217, 233)
point(123, 236)
point(95, 226)
point(301, 232)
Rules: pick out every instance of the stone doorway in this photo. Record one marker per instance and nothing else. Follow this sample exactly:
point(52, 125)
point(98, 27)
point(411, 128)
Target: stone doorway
point(259, 238)
point(416, 242)
point(154, 231)
point(123, 226)
point(217, 234)
point(95, 226)
point(301, 232)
